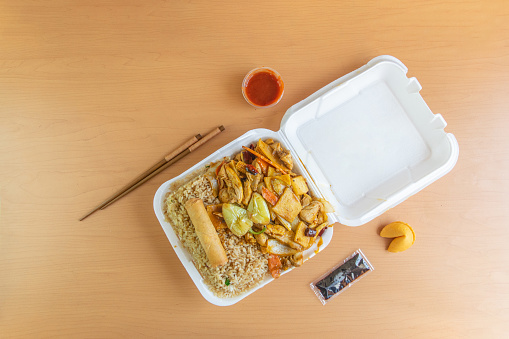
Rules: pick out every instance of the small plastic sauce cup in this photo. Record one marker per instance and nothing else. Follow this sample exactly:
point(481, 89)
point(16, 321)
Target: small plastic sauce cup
point(263, 87)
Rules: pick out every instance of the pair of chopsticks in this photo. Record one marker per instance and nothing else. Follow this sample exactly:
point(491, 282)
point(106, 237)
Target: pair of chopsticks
point(188, 147)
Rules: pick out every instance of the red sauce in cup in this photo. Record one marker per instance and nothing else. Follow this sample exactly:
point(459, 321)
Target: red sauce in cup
point(263, 87)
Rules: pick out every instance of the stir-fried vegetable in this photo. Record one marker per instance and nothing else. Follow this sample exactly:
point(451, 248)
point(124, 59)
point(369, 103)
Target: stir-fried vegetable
point(265, 159)
point(259, 232)
point(275, 266)
point(299, 185)
point(288, 205)
point(269, 196)
point(257, 210)
point(258, 188)
point(236, 219)
point(263, 165)
point(251, 169)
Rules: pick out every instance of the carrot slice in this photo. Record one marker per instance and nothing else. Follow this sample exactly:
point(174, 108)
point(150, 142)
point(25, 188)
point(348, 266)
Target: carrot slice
point(263, 165)
point(269, 196)
point(265, 159)
point(275, 266)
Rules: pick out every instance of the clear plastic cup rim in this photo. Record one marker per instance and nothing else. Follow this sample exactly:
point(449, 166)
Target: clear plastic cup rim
point(248, 77)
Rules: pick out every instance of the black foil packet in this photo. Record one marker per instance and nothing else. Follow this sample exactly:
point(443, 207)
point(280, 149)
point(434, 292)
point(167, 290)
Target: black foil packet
point(341, 276)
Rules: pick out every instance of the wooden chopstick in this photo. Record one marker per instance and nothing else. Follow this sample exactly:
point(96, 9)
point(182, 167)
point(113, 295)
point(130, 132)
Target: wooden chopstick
point(164, 163)
point(144, 174)
point(171, 162)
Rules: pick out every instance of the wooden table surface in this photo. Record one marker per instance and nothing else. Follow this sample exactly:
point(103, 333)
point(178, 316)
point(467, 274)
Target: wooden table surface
point(93, 92)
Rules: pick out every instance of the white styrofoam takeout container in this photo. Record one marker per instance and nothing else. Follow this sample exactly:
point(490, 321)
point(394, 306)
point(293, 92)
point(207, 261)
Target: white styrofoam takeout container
point(365, 142)
point(231, 149)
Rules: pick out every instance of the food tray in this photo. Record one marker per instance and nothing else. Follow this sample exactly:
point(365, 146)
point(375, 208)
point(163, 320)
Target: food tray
point(365, 142)
point(231, 149)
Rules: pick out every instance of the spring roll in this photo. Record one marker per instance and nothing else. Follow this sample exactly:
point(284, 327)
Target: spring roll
point(206, 232)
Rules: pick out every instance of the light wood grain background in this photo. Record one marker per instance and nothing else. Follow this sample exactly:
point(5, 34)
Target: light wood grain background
point(93, 92)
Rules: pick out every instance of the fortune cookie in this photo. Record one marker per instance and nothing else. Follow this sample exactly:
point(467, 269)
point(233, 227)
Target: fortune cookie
point(403, 235)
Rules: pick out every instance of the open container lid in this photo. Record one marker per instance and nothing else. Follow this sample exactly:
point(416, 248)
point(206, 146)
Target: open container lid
point(369, 141)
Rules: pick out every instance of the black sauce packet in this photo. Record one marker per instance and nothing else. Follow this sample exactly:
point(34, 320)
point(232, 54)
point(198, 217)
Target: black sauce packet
point(341, 276)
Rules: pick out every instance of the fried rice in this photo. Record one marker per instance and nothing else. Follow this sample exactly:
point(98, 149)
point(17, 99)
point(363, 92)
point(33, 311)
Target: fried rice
point(247, 265)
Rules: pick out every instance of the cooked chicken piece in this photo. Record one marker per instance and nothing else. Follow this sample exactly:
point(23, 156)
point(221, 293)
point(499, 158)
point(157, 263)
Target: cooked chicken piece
point(286, 262)
point(247, 191)
point(233, 165)
point(256, 180)
point(321, 217)
point(247, 188)
point(284, 155)
point(222, 177)
point(305, 200)
point(234, 185)
point(229, 184)
point(309, 213)
point(314, 224)
point(249, 238)
point(327, 207)
point(297, 259)
point(262, 239)
point(215, 215)
point(288, 205)
point(273, 229)
point(322, 214)
point(259, 188)
point(223, 195)
point(257, 166)
point(269, 141)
